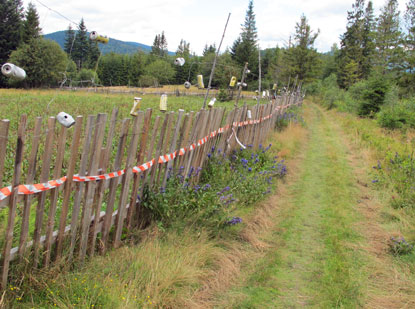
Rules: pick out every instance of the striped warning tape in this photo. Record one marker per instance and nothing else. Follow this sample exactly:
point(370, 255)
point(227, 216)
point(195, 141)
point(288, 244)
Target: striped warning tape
point(36, 188)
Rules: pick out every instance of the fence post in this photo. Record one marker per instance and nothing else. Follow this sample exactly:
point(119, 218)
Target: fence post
point(13, 201)
point(44, 177)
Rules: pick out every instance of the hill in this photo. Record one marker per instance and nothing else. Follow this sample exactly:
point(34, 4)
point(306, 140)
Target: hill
point(114, 45)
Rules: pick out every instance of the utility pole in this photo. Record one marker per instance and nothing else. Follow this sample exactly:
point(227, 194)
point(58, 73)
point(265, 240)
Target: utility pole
point(259, 82)
point(241, 84)
point(214, 63)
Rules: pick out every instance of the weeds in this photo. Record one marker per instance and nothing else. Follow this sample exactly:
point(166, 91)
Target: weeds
point(399, 246)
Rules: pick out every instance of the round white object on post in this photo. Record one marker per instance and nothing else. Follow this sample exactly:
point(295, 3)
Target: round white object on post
point(13, 71)
point(65, 119)
point(212, 102)
point(187, 85)
point(179, 61)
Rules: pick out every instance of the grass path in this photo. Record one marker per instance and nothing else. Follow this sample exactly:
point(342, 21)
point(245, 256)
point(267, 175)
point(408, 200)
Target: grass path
point(318, 257)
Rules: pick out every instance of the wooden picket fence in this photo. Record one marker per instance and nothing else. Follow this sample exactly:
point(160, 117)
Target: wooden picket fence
point(106, 163)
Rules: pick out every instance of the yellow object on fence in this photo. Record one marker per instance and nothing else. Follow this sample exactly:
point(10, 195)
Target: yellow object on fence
point(163, 103)
point(94, 36)
point(200, 83)
point(136, 107)
point(233, 82)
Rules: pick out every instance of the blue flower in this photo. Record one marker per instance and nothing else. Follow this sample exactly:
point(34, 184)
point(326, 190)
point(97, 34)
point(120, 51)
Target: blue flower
point(234, 220)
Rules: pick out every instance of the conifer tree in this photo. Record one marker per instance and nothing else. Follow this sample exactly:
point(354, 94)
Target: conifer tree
point(302, 59)
point(389, 38)
point(10, 30)
point(69, 40)
point(31, 28)
point(245, 48)
point(80, 51)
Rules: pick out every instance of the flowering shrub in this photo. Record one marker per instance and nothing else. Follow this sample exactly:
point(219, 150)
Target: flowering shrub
point(209, 197)
point(399, 246)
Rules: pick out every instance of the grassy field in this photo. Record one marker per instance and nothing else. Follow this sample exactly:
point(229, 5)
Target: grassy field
point(46, 103)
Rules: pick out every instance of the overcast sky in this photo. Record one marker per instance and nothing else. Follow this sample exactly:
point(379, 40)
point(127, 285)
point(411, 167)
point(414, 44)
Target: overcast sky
point(200, 22)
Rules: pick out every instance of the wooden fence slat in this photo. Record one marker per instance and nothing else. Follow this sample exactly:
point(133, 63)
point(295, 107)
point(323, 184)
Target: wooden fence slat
point(138, 121)
point(165, 145)
point(137, 176)
point(13, 201)
point(113, 183)
point(68, 185)
point(101, 186)
point(193, 140)
point(140, 209)
point(44, 176)
point(184, 137)
point(80, 186)
point(31, 172)
point(90, 186)
point(54, 195)
point(4, 133)
point(159, 149)
point(173, 146)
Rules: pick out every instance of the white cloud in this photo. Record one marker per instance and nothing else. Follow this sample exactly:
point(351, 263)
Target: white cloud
point(200, 22)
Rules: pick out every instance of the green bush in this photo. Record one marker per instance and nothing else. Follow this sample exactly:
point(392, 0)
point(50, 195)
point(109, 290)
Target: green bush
point(398, 173)
point(223, 95)
point(400, 114)
point(373, 96)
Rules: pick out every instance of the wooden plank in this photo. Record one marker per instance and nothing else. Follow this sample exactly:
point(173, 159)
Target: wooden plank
point(137, 176)
point(113, 183)
point(184, 137)
point(173, 146)
point(166, 142)
point(159, 149)
point(29, 179)
point(90, 186)
point(102, 184)
point(4, 133)
point(138, 121)
point(54, 195)
point(68, 185)
point(13, 201)
point(193, 140)
point(44, 177)
point(141, 220)
point(80, 185)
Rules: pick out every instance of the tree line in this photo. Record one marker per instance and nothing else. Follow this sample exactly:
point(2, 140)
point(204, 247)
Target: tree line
point(371, 45)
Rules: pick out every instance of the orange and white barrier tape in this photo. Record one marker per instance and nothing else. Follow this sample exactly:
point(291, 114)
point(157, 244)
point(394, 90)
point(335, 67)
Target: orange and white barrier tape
point(36, 188)
point(32, 189)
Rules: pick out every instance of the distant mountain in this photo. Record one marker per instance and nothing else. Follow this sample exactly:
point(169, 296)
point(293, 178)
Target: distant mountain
point(116, 46)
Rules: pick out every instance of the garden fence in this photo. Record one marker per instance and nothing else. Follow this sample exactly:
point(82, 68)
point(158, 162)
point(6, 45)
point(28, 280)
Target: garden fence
point(98, 169)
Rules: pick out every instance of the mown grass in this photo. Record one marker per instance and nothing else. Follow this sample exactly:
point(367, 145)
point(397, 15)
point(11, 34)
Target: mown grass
point(312, 260)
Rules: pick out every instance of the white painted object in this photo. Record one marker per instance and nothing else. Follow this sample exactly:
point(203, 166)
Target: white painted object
point(248, 71)
point(179, 61)
point(264, 94)
point(187, 85)
point(244, 84)
point(13, 71)
point(136, 107)
point(65, 119)
point(212, 102)
point(249, 114)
